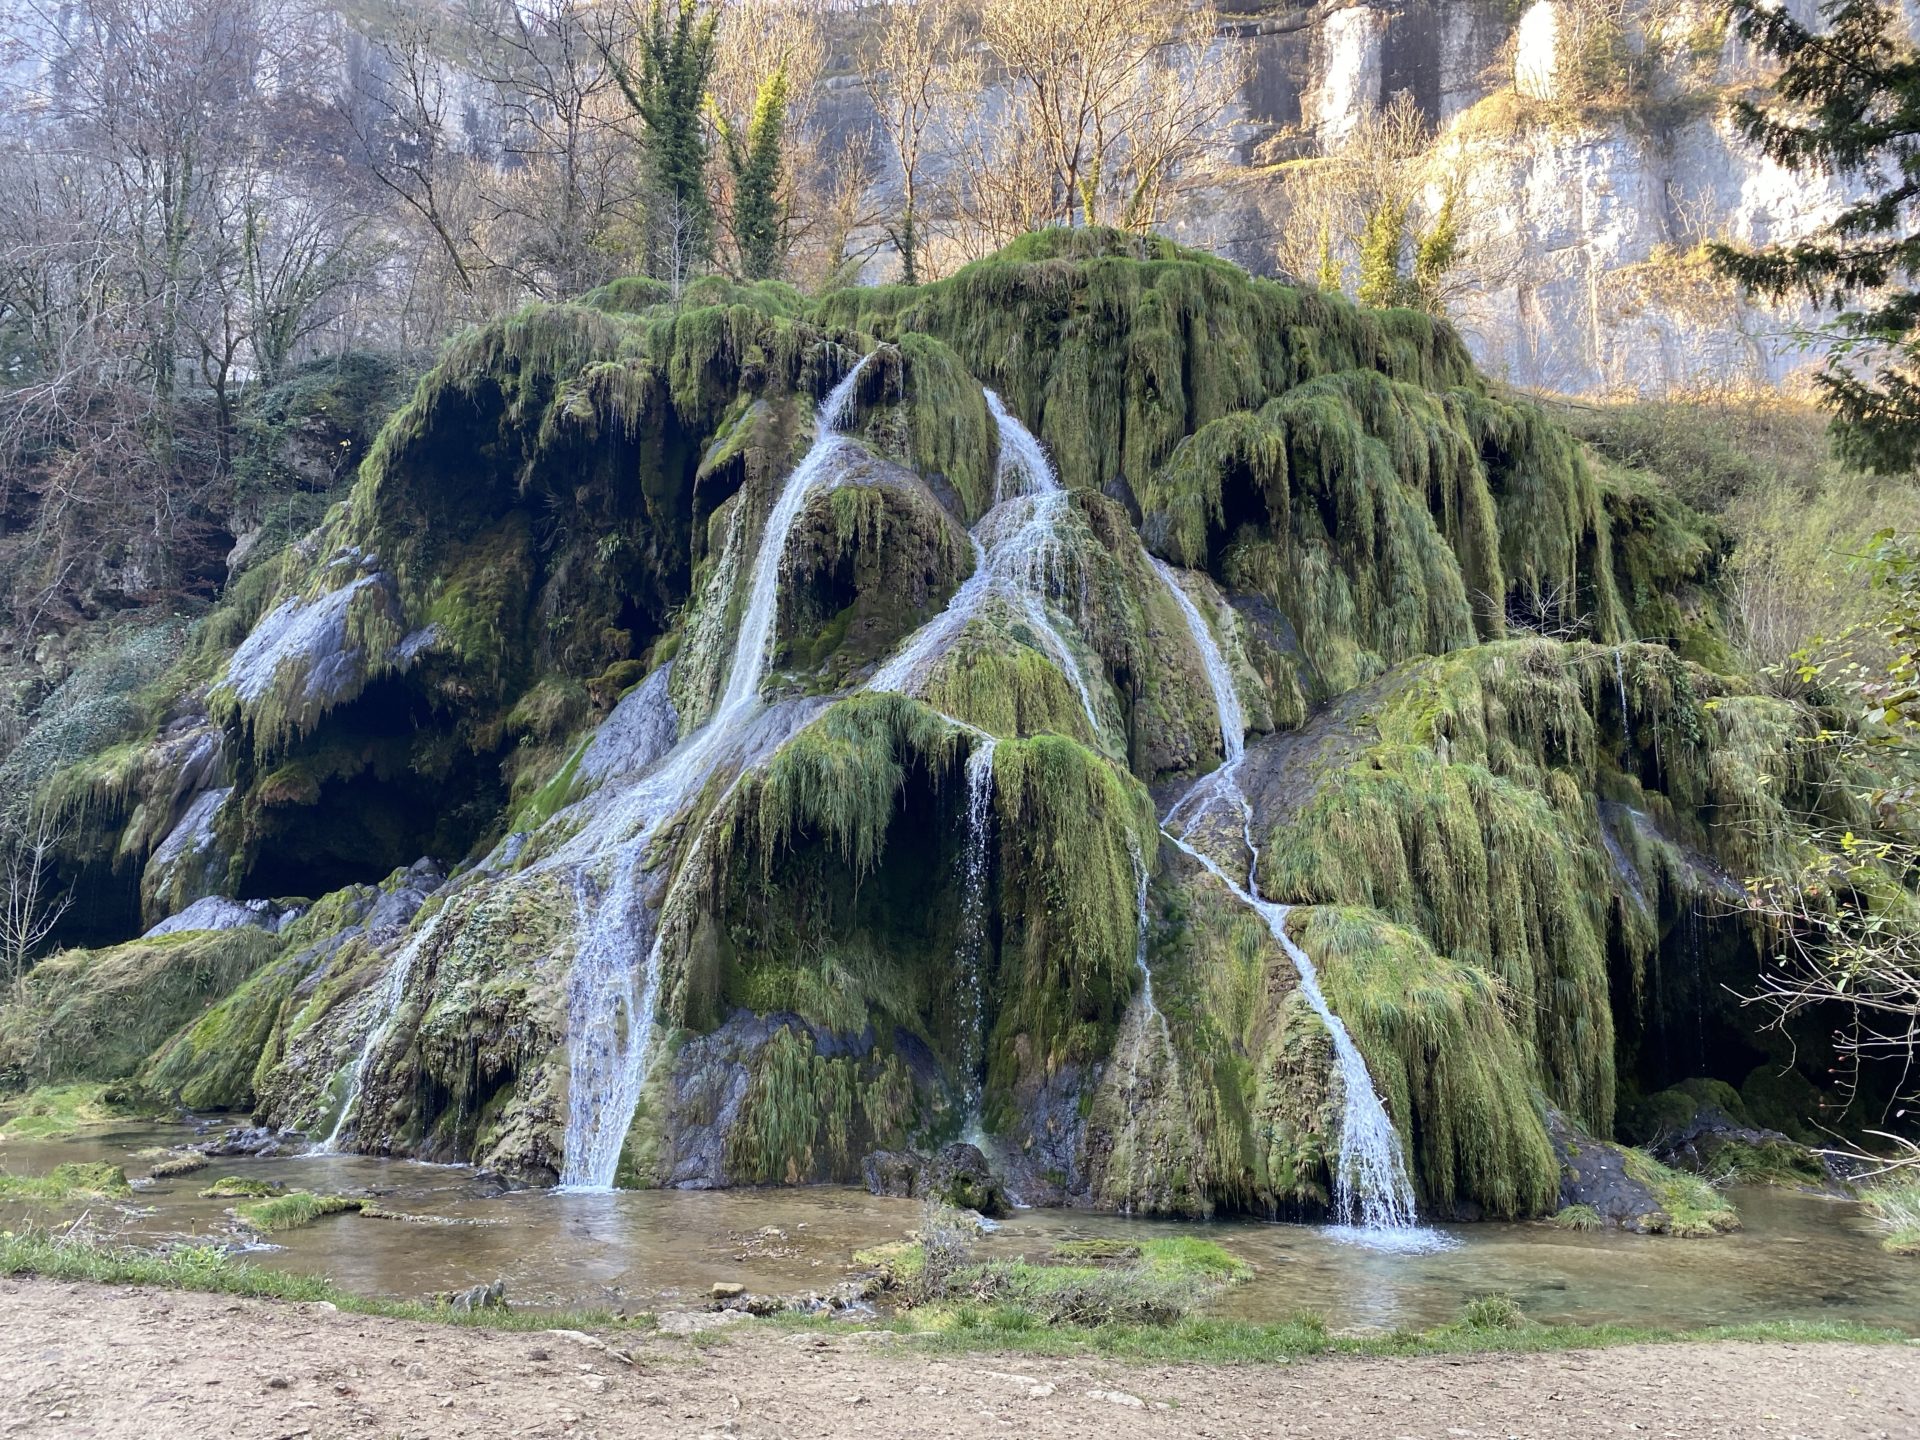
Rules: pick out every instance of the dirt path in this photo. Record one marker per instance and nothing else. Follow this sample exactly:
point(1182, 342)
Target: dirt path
point(87, 1360)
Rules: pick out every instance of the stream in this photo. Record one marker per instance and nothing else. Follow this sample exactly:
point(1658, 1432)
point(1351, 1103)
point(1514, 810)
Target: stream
point(1801, 1257)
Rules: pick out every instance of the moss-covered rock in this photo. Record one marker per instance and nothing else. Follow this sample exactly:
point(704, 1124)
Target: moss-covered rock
point(1517, 829)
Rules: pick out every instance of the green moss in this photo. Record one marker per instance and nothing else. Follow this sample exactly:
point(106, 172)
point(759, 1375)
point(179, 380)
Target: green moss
point(841, 776)
point(1493, 875)
point(1894, 1202)
point(1359, 506)
point(798, 1120)
point(1578, 1217)
point(290, 1211)
point(1073, 827)
point(238, 1187)
point(1691, 1206)
point(1006, 688)
point(1114, 353)
point(96, 1181)
point(98, 1014)
point(1446, 1058)
point(52, 1110)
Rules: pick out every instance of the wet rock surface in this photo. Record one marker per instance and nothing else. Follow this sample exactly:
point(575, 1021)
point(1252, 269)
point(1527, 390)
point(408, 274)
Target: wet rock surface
point(956, 1175)
point(1593, 1173)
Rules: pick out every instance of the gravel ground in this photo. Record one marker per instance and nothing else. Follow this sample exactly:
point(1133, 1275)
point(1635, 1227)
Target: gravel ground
point(89, 1360)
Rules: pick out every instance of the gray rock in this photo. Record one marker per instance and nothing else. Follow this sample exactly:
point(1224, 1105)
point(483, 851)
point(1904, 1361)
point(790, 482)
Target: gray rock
point(956, 1175)
point(216, 912)
point(1594, 1173)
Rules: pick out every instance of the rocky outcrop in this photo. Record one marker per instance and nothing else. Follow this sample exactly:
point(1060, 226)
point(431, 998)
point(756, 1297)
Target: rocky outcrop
point(957, 1175)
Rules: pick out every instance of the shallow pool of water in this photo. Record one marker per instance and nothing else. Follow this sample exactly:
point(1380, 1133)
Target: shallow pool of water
point(1800, 1257)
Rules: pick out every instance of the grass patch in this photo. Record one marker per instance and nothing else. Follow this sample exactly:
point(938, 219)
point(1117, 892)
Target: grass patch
point(1895, 1203)
point(291, 1211)
point(1494, 1312)
point(210, 1270)
point(54, 1110)
point(237, 1187)
point(1693, 1207)
point(1579, 1217)
point(68, 1182)
point(1084, 1283)
point(1204, 1340)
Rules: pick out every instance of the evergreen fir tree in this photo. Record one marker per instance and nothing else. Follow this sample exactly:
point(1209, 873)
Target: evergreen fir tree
point(1848, 103)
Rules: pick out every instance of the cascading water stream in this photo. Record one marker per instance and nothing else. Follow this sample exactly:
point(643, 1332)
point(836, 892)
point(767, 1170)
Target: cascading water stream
point(1371, 1187)
point(1620, 680)
point(1017, 558)
point(611, 1000)
point(973, 917)
point(392, 990)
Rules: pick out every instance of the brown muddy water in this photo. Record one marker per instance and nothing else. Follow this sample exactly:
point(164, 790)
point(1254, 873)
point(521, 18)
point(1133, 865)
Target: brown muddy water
point(1801, 1257)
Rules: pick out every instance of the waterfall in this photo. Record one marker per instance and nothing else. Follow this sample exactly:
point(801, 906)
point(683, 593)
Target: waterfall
point(1371, 1187)
point(1141, 875)
point(1017, 561)
point(973, 917)
point(392, 991)
point(611, 1000)
point(1620, 679)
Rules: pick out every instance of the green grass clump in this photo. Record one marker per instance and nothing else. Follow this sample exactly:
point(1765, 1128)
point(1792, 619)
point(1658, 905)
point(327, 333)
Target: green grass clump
point(1895, 1203)
point(1494, 1312)
point(1186, 1254)
point(236, 1187)
point(1086, 1283)
point(211, 1270)
point(292, 1210)
point(1578, 1217)
point(1692, 1206)
point(96, 1181)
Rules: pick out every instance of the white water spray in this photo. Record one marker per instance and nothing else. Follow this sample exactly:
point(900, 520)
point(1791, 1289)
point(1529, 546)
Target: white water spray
point(385, 1008)
point(612, 1001)
point(1018, 560)
point(973, 917)
point(1371, 1187)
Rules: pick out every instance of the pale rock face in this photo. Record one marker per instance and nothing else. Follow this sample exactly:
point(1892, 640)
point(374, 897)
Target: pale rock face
point(1536, 51)
point(1348, 85)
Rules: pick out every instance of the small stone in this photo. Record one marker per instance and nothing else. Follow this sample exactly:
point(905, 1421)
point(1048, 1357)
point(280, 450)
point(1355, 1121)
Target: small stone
point(416, 1371)
point(723, 1290)
point(278, 1382)
point(537, 1354)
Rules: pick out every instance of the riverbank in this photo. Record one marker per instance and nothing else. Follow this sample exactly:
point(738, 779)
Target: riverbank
point(88, 1360)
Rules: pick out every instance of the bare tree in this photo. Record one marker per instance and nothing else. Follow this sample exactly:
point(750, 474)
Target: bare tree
point(399, 111)
point(1117, 95)
point(566, 205)
point(909, 67)
point(1846, 945)
point(30, 905)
